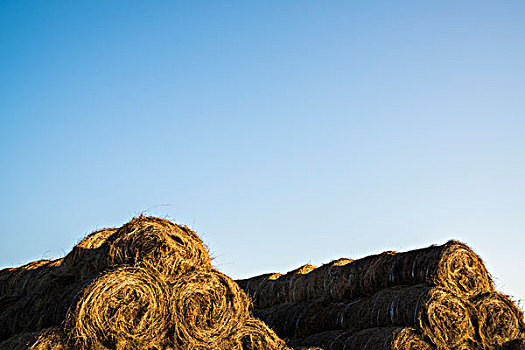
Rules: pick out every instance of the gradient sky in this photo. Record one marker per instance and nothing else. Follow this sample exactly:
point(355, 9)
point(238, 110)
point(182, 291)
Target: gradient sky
point(283, 132)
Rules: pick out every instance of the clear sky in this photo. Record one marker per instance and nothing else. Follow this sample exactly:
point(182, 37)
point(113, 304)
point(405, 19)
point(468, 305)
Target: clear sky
point(283, 132)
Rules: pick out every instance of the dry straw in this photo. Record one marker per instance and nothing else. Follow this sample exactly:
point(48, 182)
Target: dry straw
point(158, 244)
point(123, 309)
point(499, 319)
point(255, 335)
point(207, 308)
point(383, 338)
point(516, 344)
point(439, 315)
point(452, 266)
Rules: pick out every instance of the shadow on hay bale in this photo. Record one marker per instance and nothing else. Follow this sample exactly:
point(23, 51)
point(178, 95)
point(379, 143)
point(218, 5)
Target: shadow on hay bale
point(383, 338)
point(452, 266)
point(437, 314)
point(498, 319)
point(516, 344)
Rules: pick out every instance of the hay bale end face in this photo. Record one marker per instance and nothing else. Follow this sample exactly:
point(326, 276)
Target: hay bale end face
point(207, 308)
point(128, 306)
point(499, 320)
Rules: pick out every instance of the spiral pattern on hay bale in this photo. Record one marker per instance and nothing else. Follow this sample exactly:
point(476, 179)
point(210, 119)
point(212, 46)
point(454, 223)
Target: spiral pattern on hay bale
point(499, 320)
point(255, 335)
point(125, 309)
point(208, 308)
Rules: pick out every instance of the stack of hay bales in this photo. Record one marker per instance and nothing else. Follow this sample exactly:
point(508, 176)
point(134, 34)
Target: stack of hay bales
point(439, 297)
point(147, 285)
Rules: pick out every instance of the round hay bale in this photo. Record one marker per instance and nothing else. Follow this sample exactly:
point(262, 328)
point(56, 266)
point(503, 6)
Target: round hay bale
point(207, 308)
point(158, 244)
point(439, 315)
point(90, 256)
point(254, 285)
point(499, 319)
point(126, 308)
point(255, 335)
point(280, 290)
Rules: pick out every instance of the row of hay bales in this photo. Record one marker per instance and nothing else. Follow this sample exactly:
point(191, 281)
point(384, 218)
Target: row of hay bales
point(149, 284)
point(439, 297)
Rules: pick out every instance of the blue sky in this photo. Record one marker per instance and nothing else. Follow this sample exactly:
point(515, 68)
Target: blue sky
point(283, 132)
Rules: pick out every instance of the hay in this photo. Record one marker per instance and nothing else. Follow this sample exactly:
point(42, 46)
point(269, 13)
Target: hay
point(499, 319)
point(46, 307)
point(25, 279)
point(158, 244)
point(21, 341)
point(125, 309)
point(394, 338)
point(89, 257)
point(436, 313)
point(516, 344)
point(54, 339)
point(452, 266)
point(255, 335)
point(304, 283)
point(280, 290)
point(207, 308)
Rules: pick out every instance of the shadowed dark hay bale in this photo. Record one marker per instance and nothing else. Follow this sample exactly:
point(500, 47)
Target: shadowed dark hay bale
point(439, 315)
point(158, 244)
point(21, 280)
point(280, 290)
point(45, 307)
point(453, 266)
point(516, 344)
point(20, 341)
point(89, 257)
point(254, 285)
point(255, 335)
point(207, 309)
point(301, 284)
point(124, 309)
point(499, 319)
point(386, 338)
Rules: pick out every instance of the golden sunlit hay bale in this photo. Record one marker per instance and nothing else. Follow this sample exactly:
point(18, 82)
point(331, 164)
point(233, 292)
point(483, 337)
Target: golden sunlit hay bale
point(90, 256)
point(53, 339)
point(439, 315)
point(382, 338)
point(207, 308)
point(255, 335)
point(126, 308)
point(499, 319)
point(158, 244)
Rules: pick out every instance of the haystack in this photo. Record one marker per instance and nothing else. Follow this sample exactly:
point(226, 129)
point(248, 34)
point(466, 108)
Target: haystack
point(147, 285)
